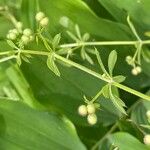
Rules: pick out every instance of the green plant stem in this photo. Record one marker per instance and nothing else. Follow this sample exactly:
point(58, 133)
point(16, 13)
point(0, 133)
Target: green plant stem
point(132, 91)
point(85, 69)
point(7, 58)
point(104, 43)
point(97, 96)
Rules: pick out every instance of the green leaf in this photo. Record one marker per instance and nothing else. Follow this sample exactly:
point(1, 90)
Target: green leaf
point(119, 78)
point(105, 90)
point(56, 40)
point(77, 29)
point(123, 141)
point(19, 62)
point(100, 62)
point(11, 44)
point(89, 59)
point(72, 36)
point(131, 127)
point(86, 37)
point(112, 61)
point(22, 127)
point(117, 101)
point(146, 54)
point(138, 114)
point(18, 80)
point(52, 66)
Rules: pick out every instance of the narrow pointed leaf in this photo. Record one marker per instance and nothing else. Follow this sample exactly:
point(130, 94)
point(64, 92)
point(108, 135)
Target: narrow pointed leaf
point(52, 66)
point(89, 59)
point(100, 62)
point(19, 62)
point(56, 40)
point(105, 90)
point(77, 29)
point(11, 44)
point(112, 61)
point(72, 36)
point(119, 78)
point(116, 101)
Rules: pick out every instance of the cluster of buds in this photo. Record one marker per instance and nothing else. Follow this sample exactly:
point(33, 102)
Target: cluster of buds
point(27, 36)
point(24, 36)
point(12, 34)
point(89, 111)
point(136, 69)
point(42, 19)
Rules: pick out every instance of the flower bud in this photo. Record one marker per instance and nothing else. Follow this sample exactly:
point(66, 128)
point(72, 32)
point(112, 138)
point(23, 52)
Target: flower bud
point(11, 36)
point(31, 37)
point(147, 139)
point(138, 69)
point(25, 39)
point(39, 16)
point(148, 114)
point(129, 60)
point(90, 108)
point(82, 110)
point(92, 119)
point(15, 31)
point(44, 22)
point(134, 71)
point(27, 32)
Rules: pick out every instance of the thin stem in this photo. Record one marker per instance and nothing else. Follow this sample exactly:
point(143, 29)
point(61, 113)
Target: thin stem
point(104, 43)
point(97, 96)
point(32, 52)
point(99, 43)
point(7, 58)
point(6, 53)
point(76, 65)
point(132, 91)
point(133, 28)
point(85, 69)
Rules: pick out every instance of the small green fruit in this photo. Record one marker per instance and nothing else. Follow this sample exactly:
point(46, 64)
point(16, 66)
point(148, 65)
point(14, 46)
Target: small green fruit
point(147, 139)
point(27, 32)
point(91, 108)
point(82, 110)
point(92, 119)
point(44, 22)
point(39, 16)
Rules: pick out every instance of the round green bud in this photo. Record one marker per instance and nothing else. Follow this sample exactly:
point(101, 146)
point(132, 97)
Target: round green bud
point(15, 31)
point(128, 58)
point(31, 38)
point(11, 36)
point(82, 110)
point(90, 108)
point(139, 70)
point(92, 119)
point(148, 114)
point(27, 32)
point(134, 72)
point(25, 39)
point(147, 139)
point(39, 16)
point(44, 22)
